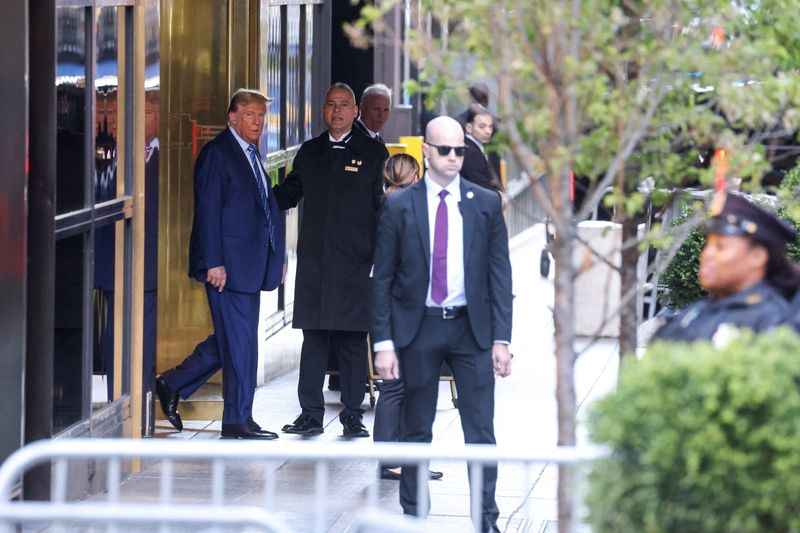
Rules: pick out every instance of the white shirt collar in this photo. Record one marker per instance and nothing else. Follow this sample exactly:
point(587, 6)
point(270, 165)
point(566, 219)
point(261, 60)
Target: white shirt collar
point(153, 145)
point(340, 139)
point(476, 141)
point(244, 144)
point(372, 134)
point(454, 187)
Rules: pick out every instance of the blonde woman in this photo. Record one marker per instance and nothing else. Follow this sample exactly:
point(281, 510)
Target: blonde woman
point(399, 171)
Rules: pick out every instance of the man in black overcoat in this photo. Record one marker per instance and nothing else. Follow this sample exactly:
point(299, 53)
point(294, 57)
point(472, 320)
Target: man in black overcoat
point(338, 174)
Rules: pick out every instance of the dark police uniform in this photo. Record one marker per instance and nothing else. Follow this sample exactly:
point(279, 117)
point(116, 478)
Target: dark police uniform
point(759, 307)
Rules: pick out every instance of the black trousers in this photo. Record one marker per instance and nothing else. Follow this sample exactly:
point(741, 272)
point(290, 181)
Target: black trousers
point(388, 411)
point(351, 350)
point(452, 341)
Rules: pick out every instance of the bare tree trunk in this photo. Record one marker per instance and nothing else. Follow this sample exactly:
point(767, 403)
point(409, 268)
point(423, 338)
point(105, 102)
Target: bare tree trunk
point(564, 317)
point(565, 358)
point(628, 283)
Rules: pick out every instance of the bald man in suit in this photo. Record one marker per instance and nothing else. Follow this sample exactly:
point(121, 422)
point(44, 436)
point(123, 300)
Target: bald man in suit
point(443, 293)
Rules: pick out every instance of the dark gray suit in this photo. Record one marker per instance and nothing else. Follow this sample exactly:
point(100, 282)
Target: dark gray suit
point(424, 340)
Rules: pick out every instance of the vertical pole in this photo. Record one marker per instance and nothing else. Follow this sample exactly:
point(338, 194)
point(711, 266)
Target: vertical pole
point(38, 411)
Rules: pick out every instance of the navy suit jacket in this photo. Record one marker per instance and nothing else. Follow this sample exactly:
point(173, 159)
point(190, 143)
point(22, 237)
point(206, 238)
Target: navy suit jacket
point(402, 265)
point(230, 225)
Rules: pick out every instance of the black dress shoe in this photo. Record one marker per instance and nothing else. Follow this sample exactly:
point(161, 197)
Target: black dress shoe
point(243, 431)
point(304, 425)
point(352, 427)
point(395, 476)
point(255, 428)
point(169, 403)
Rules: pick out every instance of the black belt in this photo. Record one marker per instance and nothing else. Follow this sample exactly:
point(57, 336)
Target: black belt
point(446, 313)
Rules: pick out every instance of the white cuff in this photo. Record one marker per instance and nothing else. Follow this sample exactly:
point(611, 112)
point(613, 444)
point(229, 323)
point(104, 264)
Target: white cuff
point(384, 345)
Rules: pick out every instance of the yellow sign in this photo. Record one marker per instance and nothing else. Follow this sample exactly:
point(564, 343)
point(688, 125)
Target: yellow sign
point(396, 148)
point(414, 148)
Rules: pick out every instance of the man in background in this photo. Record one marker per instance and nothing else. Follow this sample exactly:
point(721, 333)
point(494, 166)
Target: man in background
point(374, 111)
point(479, 129)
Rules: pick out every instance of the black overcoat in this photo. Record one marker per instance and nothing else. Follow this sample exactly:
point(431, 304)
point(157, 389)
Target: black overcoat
point(342, 190)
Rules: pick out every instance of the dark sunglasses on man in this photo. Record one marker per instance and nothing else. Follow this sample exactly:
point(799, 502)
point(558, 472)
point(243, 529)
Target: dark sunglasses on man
point(445, 150)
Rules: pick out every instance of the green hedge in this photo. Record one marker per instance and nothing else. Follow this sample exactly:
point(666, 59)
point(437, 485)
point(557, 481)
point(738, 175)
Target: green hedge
point(702, 440)
point(679, 285)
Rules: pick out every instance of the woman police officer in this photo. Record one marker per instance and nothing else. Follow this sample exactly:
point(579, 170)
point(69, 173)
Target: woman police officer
point(745, 269)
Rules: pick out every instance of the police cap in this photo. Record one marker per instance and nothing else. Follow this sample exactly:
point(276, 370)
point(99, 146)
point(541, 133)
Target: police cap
point(734, 214)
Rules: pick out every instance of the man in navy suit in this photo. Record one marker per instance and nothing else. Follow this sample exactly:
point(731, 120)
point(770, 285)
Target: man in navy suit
point(443, 293)
point(236, 250)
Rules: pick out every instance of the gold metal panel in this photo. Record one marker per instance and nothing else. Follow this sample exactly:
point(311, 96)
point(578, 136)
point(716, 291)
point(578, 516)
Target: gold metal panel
point(205, 404)
point(198, 410)
point(137, 303)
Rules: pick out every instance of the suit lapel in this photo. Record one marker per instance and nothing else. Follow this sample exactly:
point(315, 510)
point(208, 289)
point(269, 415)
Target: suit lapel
point(245, 169)
point(419, 201)
point(468, 211)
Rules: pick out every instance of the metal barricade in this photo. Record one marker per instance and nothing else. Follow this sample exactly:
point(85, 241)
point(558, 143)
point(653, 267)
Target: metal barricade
point(115, 511)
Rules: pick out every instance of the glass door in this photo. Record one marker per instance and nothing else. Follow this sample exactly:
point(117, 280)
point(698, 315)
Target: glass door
point(94, 214)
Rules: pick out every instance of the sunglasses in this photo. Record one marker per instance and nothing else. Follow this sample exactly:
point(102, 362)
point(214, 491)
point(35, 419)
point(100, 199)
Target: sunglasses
point(445, 150)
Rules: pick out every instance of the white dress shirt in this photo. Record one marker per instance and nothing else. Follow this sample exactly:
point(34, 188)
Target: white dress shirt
point(456, 294)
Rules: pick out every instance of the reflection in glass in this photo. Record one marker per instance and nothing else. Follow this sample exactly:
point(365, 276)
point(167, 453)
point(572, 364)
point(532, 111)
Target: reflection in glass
point(68, 334)
point(270, 74)
point(308, 132)
point(70, 109)
point(105, 188)
point(293, 72)
point(152, 158)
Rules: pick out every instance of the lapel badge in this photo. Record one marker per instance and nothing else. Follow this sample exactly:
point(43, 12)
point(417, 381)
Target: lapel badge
point(470, 195)
point(351, 169)
point(358, 162)
point(353, 161)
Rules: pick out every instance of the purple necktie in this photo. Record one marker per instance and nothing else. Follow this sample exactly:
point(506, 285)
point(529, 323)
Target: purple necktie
point(439, 270)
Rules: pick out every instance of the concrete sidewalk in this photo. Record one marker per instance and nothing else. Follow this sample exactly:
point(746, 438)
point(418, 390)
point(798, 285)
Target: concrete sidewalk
point(525, 413)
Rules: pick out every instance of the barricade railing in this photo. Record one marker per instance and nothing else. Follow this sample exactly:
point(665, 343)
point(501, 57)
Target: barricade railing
point(115, 510)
